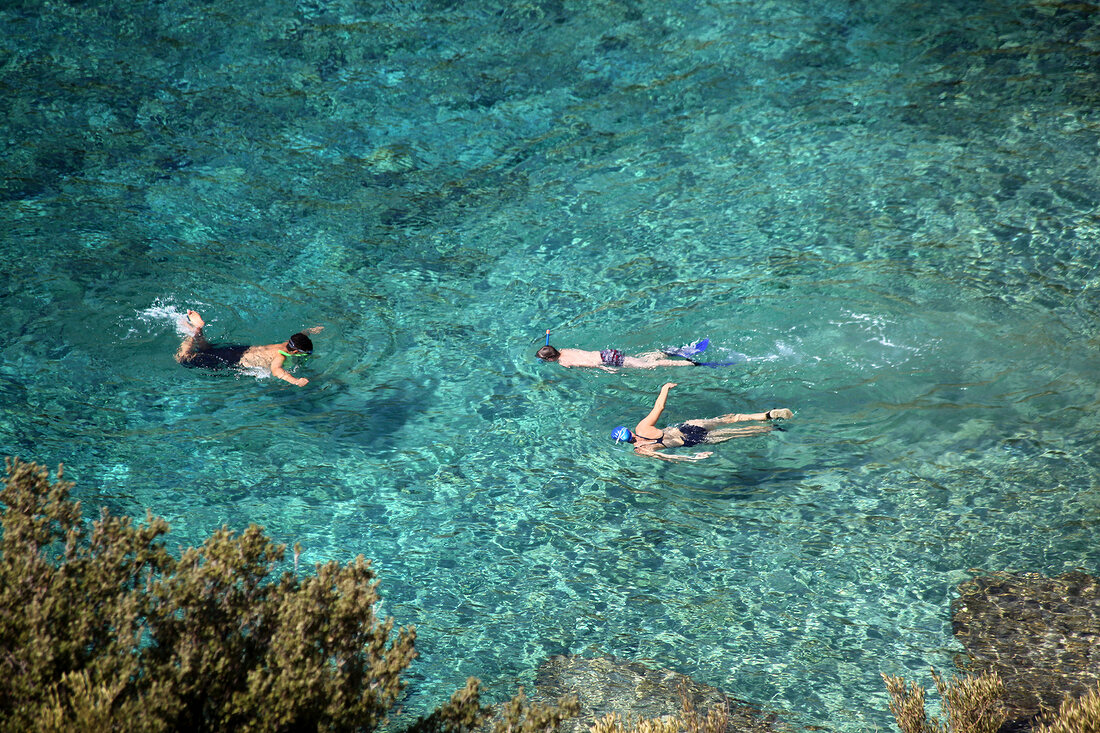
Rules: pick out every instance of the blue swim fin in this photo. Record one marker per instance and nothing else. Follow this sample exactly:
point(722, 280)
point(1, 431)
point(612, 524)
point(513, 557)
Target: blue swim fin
point(690, 350)
point(736, 359)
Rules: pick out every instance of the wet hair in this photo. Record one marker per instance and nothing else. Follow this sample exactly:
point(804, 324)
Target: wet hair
point(300, 342)
point(548, 353)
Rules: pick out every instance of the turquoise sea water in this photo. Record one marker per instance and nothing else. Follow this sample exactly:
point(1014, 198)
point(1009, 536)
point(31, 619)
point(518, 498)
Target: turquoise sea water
point(890, 208)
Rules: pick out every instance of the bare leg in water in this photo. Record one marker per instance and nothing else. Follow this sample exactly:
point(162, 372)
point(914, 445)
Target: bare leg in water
point(194, 343)
point(718, 434)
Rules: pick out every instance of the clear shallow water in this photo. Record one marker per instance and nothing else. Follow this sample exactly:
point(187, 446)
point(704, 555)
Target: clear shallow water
point(889, 208)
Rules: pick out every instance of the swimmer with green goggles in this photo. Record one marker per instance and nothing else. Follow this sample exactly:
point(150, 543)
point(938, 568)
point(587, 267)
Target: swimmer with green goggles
point(196, 351)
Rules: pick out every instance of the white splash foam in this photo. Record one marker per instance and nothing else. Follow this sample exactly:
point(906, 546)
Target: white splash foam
point(254, 372)
point(163, 313)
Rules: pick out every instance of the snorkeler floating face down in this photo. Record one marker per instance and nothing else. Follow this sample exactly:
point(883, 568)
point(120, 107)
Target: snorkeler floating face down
point(611, 359)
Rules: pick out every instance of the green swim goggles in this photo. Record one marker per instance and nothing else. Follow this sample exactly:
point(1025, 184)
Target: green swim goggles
point(299, 355)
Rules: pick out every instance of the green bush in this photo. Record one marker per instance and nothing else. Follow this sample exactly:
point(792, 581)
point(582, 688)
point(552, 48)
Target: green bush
point(101, 628)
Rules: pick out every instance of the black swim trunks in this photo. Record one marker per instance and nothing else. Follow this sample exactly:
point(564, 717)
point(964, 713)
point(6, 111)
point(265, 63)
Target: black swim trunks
point(219, 357)
point(612, 357)
point(693, 434)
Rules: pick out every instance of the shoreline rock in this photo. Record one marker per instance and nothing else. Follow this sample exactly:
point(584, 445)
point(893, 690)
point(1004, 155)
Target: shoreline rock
point(1040, 634)
point(606, 685)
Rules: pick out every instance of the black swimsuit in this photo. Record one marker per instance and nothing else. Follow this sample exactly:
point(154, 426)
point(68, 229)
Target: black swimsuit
point(218, 357)
point(693, 434)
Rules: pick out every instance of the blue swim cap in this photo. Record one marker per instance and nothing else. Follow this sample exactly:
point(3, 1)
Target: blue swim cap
point(621, 435)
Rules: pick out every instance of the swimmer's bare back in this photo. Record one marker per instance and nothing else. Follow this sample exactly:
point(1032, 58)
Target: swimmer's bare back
point(595, 359)
point(195, 350)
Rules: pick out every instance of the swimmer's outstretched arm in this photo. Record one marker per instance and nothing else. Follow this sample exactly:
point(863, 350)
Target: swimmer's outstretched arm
point(315, 329)
point(278, 371)
point(651, 453)
point(654, 415)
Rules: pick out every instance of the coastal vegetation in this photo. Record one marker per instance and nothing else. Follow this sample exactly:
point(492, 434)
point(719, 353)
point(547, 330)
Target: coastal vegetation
point(972, 704)
point(102, 628)
point(975, 704)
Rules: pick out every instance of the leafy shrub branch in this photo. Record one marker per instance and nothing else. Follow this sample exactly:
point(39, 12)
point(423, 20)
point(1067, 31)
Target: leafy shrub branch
point(101, 628)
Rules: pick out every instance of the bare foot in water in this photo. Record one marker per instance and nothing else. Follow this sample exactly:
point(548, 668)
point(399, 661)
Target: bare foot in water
point(193, 323)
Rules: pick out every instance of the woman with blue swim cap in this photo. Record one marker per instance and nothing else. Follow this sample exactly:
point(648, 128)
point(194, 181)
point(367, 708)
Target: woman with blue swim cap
point(648, 439)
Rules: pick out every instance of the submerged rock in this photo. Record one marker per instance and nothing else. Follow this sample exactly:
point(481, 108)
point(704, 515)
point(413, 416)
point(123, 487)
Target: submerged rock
point(606, 685)
point(1041, 635)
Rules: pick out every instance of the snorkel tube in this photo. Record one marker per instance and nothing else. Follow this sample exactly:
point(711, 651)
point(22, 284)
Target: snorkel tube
point(547, 352)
